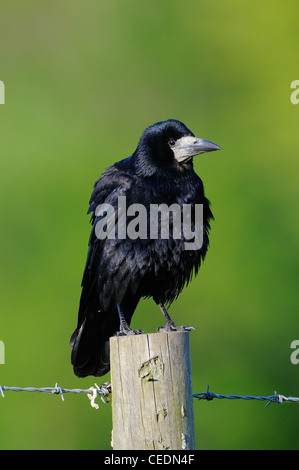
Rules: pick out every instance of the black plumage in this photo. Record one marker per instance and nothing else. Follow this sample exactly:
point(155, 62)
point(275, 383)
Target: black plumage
point(120, 271)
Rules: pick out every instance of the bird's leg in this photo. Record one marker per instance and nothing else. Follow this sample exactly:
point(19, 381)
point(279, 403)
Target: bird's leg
point(124, 328)
point(170, 325)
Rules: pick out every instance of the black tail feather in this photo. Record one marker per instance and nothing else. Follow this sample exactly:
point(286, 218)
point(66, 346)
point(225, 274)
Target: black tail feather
point(90, 350)
point(90, 340)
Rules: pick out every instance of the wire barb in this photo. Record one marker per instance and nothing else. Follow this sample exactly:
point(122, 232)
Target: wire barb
point(58, 390)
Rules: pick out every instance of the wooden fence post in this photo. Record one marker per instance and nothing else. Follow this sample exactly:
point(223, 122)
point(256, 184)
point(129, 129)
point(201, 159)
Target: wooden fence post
point(152, 403)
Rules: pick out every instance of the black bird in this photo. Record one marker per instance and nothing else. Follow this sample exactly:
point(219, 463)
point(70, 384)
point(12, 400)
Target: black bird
point(120, 270)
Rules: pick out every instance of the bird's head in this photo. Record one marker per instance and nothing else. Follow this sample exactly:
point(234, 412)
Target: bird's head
point(169, 144)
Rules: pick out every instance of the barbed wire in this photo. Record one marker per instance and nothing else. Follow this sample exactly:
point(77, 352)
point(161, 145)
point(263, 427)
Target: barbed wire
point(276, 398)
point(92, 392)
point(105, 389)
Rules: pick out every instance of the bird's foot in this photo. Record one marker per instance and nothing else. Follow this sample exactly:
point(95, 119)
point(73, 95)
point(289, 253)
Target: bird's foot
point(170, 326)
point(125, 330)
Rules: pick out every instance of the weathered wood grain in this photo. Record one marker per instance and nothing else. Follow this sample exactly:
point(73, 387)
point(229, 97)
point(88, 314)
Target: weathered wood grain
point(152, 404)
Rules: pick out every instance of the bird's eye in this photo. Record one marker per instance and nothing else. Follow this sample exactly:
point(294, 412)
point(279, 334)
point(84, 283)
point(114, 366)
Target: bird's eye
point(171, 142)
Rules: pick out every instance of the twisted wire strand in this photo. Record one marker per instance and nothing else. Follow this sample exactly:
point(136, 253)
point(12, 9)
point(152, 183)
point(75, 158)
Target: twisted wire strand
point(105, 389)
point(91, 392)
point(276, 398)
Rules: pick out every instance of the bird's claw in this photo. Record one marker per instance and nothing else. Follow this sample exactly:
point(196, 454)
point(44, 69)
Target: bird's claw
point(126, 331)
point(172, 327)
point(136, 332)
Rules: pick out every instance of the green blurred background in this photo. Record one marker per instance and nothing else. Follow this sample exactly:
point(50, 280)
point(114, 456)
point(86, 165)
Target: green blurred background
point(82, 81)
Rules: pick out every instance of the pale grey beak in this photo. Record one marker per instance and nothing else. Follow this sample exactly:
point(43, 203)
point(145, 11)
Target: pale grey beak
point(187, 147)
point(202, 146)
